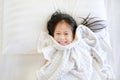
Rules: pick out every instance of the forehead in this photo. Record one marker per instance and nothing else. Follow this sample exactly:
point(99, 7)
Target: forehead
point(63, 26)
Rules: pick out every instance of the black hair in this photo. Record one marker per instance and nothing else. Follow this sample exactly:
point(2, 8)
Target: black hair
point(58, 17)
point(93, 23)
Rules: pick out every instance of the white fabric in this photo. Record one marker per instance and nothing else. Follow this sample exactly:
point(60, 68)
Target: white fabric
point(23, 20)
point(83, 59)
point(9, 64)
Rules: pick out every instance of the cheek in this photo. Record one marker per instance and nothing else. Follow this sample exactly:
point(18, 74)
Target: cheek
point(55, 37)
point(71, 39)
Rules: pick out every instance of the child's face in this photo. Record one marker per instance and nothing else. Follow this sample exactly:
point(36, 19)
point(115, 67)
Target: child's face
point(63, 33)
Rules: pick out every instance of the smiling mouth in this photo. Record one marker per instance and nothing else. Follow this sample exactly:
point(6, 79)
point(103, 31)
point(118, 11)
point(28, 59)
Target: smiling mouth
point(62, 43)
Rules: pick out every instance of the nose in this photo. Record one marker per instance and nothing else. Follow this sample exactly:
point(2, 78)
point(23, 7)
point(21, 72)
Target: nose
point(62, 37)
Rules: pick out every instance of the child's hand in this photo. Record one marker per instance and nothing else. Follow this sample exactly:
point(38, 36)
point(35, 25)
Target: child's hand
point(46, 61)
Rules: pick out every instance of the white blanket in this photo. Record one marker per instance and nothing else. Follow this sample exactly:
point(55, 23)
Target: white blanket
point(83, 59)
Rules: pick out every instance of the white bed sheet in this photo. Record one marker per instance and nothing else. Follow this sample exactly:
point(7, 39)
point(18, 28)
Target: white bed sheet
point(20, 67)
point(114, 30)
point(13, 67)
point(23, 20)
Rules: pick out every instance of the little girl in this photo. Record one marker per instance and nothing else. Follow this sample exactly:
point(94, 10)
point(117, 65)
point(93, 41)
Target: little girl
point(72, 52)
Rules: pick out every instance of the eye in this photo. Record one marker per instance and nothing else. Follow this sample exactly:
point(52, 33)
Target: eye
point(58, 33)
point(66, 33)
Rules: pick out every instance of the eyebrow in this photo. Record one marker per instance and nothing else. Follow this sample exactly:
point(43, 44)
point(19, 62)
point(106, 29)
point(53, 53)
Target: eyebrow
point(59, 31)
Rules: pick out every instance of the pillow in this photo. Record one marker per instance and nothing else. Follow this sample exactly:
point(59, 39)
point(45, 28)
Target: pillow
point(24, 20)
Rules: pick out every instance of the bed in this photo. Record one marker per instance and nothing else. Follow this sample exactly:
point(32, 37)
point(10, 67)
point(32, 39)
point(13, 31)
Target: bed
point(21, 23)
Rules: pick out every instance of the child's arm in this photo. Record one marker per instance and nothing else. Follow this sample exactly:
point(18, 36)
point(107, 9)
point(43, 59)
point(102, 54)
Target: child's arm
point(46, 61)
